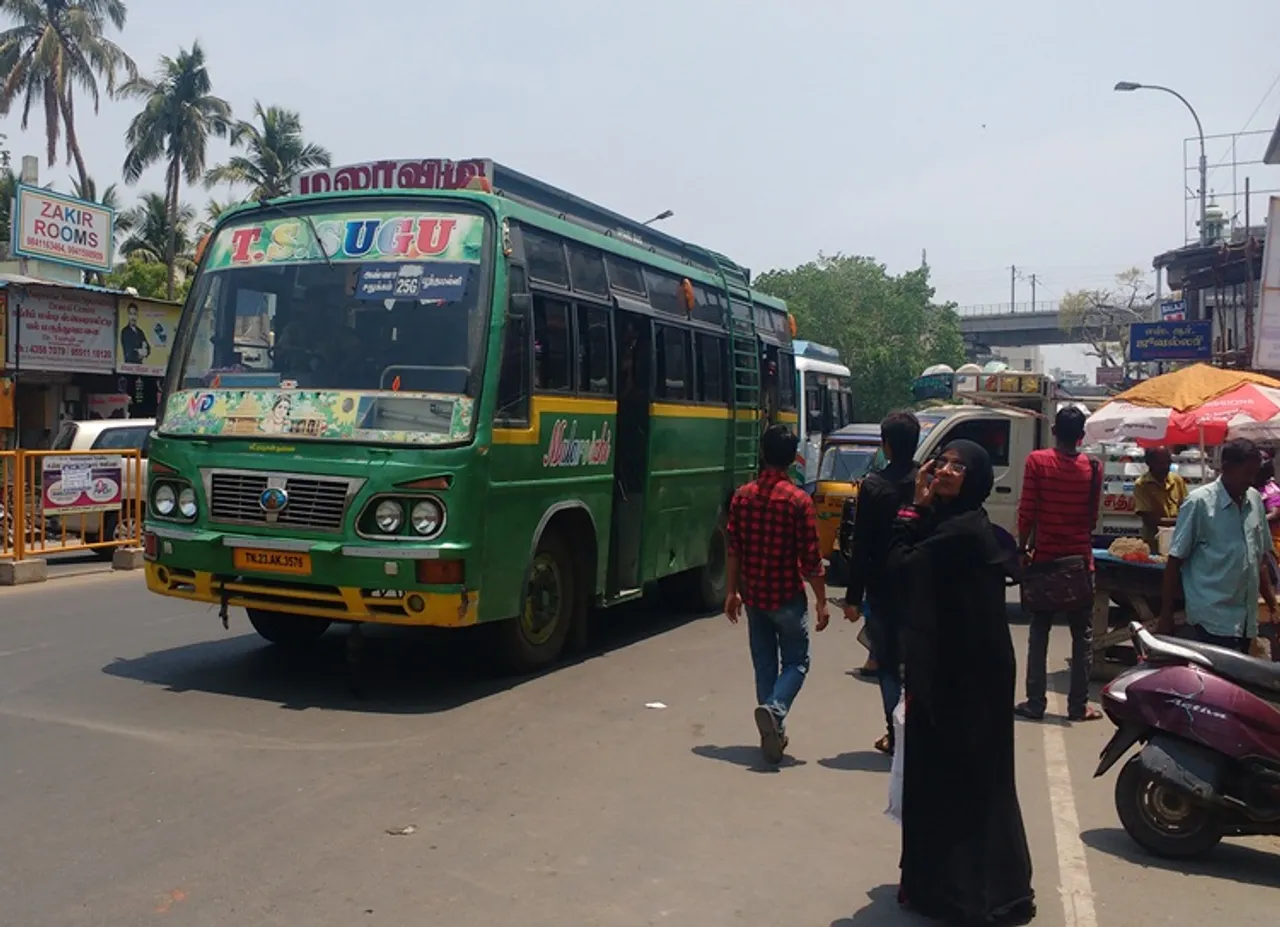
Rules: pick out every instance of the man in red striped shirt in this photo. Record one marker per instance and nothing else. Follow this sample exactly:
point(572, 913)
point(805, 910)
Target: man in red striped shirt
point(1059, 506)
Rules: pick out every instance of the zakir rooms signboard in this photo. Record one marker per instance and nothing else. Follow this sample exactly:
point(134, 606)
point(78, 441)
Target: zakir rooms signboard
point(48, 226)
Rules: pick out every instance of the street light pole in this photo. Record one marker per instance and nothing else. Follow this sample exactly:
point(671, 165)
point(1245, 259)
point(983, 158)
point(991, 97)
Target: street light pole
point(665, 214)
point(1127, 85)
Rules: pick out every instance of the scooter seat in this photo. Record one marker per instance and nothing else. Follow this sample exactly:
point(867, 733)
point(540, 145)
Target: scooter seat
point(1259, 676)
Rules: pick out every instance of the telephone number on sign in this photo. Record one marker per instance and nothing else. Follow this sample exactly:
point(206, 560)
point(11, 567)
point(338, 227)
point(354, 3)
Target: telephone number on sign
point(55, 351)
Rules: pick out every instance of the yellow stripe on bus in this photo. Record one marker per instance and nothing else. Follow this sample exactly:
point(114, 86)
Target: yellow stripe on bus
point(552, 405)
point(681, 410)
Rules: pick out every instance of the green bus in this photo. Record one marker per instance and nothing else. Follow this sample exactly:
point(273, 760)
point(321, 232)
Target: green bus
point(444, 393)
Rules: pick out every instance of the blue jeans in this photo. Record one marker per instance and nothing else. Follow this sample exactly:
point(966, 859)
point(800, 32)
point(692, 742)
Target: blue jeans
point(885, 632)
point(780, 636)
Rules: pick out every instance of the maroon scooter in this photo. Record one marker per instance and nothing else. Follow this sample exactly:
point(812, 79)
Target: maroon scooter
point(1208, 720)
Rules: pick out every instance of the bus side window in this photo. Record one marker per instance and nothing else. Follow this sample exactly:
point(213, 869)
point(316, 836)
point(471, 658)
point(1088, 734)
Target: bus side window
point(552, 370)
point(513, 375)
point(673, 363)
point(595, 356)
point(711, 369)
point(786, 381)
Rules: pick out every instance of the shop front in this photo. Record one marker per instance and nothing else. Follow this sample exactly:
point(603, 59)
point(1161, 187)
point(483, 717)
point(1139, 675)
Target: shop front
point(76, 353)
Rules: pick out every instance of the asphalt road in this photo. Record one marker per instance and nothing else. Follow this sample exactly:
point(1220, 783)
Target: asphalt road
point(156, 769)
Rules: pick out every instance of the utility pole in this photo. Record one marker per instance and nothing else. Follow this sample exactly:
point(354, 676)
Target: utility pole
point(1013, 288)
point(1033, 292)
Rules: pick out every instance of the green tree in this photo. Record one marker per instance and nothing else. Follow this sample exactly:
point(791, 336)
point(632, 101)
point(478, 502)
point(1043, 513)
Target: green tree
point(275, 153)
point(148, 278)
point(152, 235)
point(179, 114)
point(1103, 316)
point(55, 47)
point(8, 188)
point(886, 327)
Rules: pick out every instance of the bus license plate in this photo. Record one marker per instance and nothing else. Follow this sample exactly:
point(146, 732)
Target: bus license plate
point(272, 561)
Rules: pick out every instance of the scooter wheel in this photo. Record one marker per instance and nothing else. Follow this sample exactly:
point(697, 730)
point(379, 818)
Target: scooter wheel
point(1162, 820)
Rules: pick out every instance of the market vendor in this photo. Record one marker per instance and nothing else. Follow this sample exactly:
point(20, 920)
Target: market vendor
point(1158, 494)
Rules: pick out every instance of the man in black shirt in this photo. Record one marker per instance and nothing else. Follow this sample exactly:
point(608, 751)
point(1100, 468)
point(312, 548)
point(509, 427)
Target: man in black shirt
point(867, 526)
point(133, 340)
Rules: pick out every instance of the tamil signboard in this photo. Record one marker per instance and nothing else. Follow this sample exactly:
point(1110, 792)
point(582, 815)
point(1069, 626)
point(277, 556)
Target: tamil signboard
point(1170, 341)
point(51, 227)
point(81, 483)
point(69, 330)
point(418, 174)
point(145, 336)
point(1266, 342)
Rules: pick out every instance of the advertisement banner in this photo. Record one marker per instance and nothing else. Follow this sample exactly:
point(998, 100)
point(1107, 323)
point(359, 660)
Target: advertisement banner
point(1158, 341)
point(51, 227)
point(74, 332)
point(145, 336)
point(362, 236)
point(82, 483)
point(1173, 310)
point(1266, 346)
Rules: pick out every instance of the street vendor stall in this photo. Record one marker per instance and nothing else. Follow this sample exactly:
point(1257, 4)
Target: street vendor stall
point(1200, 406)
point(1134, 584)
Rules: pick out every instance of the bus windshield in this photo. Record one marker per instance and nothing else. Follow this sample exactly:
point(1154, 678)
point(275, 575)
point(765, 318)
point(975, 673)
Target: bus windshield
point(368, 324)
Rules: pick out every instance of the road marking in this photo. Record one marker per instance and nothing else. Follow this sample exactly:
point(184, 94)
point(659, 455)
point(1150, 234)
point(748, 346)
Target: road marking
point(1074, 884)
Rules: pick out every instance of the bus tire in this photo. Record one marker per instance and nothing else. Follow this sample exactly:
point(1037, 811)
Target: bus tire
point(535, 638)
point(704, 588)
point(285, 630)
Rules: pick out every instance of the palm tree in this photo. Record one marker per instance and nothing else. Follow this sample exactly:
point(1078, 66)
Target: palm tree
point(178, 115)
point(55, 47)
point(152, 235)
point(213, 211)
point(274, 154)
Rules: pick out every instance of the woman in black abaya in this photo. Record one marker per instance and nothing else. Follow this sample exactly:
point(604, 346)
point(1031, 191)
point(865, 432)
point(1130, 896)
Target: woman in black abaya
point(964, 851)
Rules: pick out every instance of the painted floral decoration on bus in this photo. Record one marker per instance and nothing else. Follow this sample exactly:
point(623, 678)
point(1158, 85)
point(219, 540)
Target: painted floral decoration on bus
point(402, 418)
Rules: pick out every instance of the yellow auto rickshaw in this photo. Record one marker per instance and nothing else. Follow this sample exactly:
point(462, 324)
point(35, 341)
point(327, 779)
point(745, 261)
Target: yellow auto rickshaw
point(848, 455)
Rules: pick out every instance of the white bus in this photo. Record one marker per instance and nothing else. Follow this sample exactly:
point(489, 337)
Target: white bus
point(827, 405)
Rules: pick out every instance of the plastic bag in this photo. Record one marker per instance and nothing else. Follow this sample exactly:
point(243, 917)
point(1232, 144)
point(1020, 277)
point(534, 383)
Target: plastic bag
point(895, 773)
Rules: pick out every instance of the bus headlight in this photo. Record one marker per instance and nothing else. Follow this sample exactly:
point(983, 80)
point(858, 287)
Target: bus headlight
point(164, 500)
point(389, 516)
point(187, 502)
point(427, 517)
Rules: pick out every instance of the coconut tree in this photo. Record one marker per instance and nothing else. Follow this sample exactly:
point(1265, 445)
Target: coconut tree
point(179, 114)
point(275, 152)
point(55, 48)
point(151, 235)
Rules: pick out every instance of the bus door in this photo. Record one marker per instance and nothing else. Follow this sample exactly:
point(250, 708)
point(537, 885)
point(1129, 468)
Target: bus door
point(631, 459)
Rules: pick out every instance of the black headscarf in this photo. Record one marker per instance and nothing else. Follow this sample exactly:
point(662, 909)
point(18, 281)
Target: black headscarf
point(964, 515)
point(979, 478)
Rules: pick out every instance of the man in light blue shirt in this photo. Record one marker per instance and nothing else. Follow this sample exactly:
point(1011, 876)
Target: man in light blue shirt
point(1216, 556)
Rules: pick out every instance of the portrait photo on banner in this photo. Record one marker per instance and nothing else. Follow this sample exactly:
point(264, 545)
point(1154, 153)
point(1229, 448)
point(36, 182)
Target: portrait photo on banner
point(145, 331)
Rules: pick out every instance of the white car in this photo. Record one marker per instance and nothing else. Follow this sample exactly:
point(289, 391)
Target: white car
point(105, 436)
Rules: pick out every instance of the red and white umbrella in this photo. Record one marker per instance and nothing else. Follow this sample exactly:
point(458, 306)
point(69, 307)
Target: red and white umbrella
point(1249, 410)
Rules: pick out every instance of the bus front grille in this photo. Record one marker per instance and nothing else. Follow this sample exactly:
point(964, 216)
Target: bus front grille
point(236, 496)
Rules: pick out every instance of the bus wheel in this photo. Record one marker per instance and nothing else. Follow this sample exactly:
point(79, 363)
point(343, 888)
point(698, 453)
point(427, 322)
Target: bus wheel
point(702, 589)
point(537, 636)
point(287, 630)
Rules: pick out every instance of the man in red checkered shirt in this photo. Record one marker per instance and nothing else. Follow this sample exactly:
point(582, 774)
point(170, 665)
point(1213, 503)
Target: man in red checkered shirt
point(773, 552)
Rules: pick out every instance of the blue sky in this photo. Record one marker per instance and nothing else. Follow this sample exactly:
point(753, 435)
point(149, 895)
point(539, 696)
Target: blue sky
point(986, 133)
